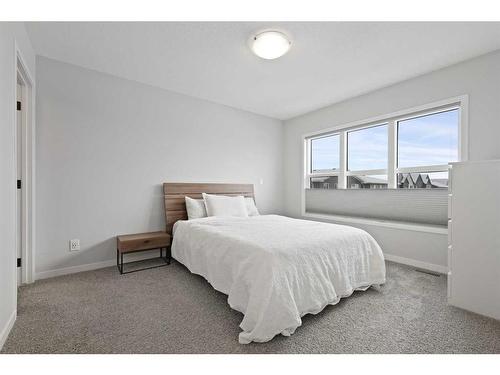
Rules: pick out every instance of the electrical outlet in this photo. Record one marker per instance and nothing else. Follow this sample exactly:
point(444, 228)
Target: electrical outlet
point(74, 245)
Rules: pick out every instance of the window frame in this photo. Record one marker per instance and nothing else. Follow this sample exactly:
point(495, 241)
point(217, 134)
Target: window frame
point(460, 103)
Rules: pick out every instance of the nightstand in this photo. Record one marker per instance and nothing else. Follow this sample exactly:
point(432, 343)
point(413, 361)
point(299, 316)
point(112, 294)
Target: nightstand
point(132, 243)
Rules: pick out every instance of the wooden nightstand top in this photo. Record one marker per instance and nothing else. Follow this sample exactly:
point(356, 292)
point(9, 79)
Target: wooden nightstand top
point(142, 241)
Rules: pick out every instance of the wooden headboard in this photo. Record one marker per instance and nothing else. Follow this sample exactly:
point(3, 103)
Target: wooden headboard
point(175, 205)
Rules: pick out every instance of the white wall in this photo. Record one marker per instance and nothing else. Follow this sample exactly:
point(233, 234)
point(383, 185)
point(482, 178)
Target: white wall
point(10, 33)
point(479, 78)
point(105, 145)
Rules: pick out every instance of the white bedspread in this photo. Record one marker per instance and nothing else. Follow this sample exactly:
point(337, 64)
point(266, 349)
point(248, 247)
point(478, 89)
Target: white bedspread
point(276, 269)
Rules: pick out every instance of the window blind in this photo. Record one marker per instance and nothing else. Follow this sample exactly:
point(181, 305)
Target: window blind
point(425, 206)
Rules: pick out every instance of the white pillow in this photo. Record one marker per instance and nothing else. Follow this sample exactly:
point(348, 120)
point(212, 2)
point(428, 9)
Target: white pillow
point(221, 205)
point(251, 208)
point(195, 208)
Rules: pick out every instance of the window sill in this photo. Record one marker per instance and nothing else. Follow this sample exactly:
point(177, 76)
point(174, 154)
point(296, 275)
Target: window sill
point(427, 228)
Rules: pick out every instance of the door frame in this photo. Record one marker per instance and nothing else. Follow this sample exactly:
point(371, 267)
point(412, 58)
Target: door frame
point(28, 168)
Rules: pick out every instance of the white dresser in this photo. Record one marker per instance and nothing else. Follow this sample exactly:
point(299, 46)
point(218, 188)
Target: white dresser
point(474, 237)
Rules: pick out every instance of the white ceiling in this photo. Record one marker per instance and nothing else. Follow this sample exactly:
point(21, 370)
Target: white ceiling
point(328, 61)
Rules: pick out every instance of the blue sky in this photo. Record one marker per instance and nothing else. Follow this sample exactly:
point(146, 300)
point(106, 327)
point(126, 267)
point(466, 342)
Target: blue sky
point(367, 148)
point(325, 153)
point(427, 140)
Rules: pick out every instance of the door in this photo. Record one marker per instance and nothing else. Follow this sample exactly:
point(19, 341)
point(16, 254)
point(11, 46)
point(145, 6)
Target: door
point(19, 164)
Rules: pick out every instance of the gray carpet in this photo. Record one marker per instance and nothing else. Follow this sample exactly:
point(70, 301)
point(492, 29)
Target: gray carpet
point(170, 310)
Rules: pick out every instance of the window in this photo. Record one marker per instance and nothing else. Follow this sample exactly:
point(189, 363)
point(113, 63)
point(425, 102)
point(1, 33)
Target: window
point(367, 154)
point(423, 180)
point(325, 154)
point(408, 151)
point(328, 182)
point(428, 140)
point(325, 162)
point(367, 181)
point(367, 148)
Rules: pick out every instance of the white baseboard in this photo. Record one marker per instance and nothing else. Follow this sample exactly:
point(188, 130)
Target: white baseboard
point(89, 266)
point(74, 269)
point(6, 330)
point(416, 263)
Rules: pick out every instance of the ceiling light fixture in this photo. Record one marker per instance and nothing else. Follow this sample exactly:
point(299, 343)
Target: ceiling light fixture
point(270, 45)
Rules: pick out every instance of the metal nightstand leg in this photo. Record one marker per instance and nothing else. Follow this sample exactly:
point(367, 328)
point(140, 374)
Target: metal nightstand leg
point(118, 261)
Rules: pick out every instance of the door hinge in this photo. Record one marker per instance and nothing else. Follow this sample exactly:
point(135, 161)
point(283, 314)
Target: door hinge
point(19, 184)
point(19, 262)
point(18, 106)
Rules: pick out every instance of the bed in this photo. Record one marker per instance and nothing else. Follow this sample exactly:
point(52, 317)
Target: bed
point(274, 269)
